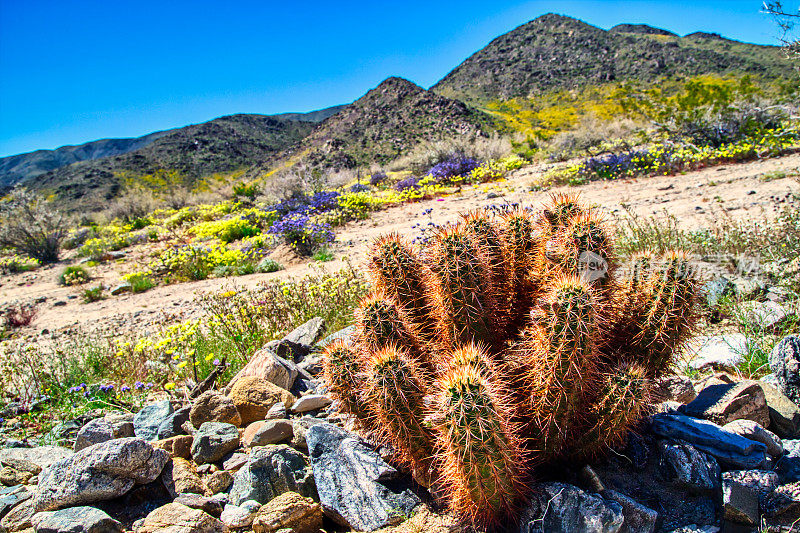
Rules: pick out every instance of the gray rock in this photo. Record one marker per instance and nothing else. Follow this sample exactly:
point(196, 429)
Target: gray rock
point(75, 520)
point(726, 402)
point(767, 315)
point(308, 333)
point(172, 426)
point(235, 461)
point(560, 507)
point(694, 528)
point(728, 448)
point(312, 364)
point(213, 441)
point(277, 411)
point(270, 471)
point(43, 456)
point(677, 388)
point(754, 431)
point(724, 351)
point(783, 505)
point(10, 497)
point(310, 402)
point(300, 427)
point(347, 335)
point(688, 467)
point(748, 288)
point(66, 431)
point(102, 430)
point(762, 481)
point(147, 421)
point(121, 288)
point(716, 288)
point(196, 501)
point(784, 360)
point(100, 472)
point(18, 518)
point(240, 516)
point(784, 414)
point(788, 466)
point(273, 432)
point(638, 518)
point(354, 483)
point(740, 503)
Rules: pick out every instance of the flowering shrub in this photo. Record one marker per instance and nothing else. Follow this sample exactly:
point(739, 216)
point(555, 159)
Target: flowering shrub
point(411, 182)
point(139, 281)
point(15, 263)
point(74, 275)
point(359, 187)
point(227, 230)
point(302, 233)
point(194, 262)
point(456, 165)
point(377, 178)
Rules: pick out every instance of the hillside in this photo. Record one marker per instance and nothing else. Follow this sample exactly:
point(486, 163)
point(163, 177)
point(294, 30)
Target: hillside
point(558, 52)
point(387, 121)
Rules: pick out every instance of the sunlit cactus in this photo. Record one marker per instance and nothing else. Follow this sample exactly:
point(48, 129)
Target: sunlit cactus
point(511, 344)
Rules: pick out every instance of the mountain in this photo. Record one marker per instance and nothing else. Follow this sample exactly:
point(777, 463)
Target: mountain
point(225, 144)
point(389, 120)
point(19, 168)
point(558, 52)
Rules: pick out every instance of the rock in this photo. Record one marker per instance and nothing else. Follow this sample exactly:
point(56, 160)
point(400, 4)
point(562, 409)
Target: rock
point(177, 518)
point(784, 414)
point(267, 365)
point(102, 430)
point(180, 477)
point(254, 396)
point(356, 486)
point(211, 406)
point(271, 471)
point(727, 402)
point(240, 516)
point(784, 360)
point(767, 315)
point(172, 426)
point(716, 288)
point(308, 333)
point(75, 520)
point(18, 471)
point(311, 402)
point(268, 432)
point(783, 504)
point(312, 364)
point(300, 427)
point(762, 481)
point(18, 518)
point(740, 503)
point(100, 472)
point(277, 411)
point(180, 446)
point(289, 511)
point(638, 518)
point(42, 456)
point(291, 351)
point(724, 351)
point(728, 448)
point(788, 466)
point(347, 334)
point(235, 461)
point(562, 507)
point(219, 481)
point(147, 421)
point(747, 288)
point(754, 431)
point(121, 288)
point(677, 388)
point(694, 528)
point(10, 497)
point(213, 440)
point(690, 468)
point(196, 501)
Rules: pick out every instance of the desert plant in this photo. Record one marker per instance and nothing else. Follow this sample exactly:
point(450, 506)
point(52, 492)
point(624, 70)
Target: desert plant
point(74, 275)
point(17, 316)
point(515, 342)
point(139, 281)
point(93, 294)
point(31, 226)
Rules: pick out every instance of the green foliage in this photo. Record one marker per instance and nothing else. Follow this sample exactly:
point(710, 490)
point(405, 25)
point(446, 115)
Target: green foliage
point(74, 275)
point(139, 281)
point(268, 265)
point(323, 255)
point(31, 226)
point(14, 264)
point(93, 294)
point(228, 230)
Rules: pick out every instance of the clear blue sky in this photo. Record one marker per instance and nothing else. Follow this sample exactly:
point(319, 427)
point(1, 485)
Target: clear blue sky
point(75, 71)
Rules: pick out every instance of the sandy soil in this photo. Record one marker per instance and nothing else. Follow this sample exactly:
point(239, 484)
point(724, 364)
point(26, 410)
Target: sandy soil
point(696, 199)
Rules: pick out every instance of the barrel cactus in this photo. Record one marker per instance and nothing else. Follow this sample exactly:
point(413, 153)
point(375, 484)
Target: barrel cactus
point(511, 343)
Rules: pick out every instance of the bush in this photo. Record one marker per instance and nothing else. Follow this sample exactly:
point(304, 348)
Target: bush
point(408, 183)
point(20, 315)
point(74, 275)
point(324, 255)
point(457, 165)
point(139, 281)
point(31, 226)
point(15, 264)
point(302, 233)
point(268, 265)
point(93, 295)
point(228, 230)
point(359, 187)
point(377, 178)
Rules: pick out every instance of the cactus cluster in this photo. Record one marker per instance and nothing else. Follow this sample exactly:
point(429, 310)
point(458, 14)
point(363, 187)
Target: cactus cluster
point(511, 343)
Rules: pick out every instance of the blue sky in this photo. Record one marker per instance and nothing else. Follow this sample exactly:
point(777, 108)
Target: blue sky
point(74, 71)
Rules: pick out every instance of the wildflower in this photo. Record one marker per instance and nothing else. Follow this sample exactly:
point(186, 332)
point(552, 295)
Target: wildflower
point(138, 385)
point(125, 388)
point(216, 362)
point(169, 386)
point(182, 364)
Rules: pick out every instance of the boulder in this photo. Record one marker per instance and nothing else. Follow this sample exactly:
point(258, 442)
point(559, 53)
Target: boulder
point(564, 507)
point(783, 505)
point(102, 430)
point(180, 476)
point(268, 432)
point(213, 441)
point(18, 471)
point(725, 403)
point(211, 406)
point(75, 520)
point(267, 365)
point(356, 487)
point(289, 511)
point(739, 503)
point(310, 402)
point(10, 497)
point(691, 469)
point(219, 482)
point(180, 446)
point(147, 421)
point(784, 414)
point(18, 518)
point(254, 396)
point(754, 431)
point(677, 388)
point(172, 426)
point(178, 518)
point(308, 333)
point(211, 506)
point(271, 471)
point(728, 448)
point(638, 518)
point(277, 411)
point(788, 466)
point(761, 481)
point(784, 360)
point(240, 516)
point(717, 351)
point(42, 456)
point(100, 472)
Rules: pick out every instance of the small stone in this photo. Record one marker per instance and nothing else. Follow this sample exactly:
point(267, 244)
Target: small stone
point(102, 430)
point(761, 481)
point(271, 471)
point(346, 335)
point(788, 466)
point(784, 414)
point(180, 446)
point(18, 518)
point(689, 467)
point(754, 431)
point(75, 520)
point(727, 402)
point(767, 315)
point(638, 518)
point(277, 411)
point(784, 360)
point(784, 504)
point(300, 427)
point(219, 482)
point(240, 516)
point(213, 440)
point(211, 406)
point(254, 396)
point(268, 432)
point(564, 507)
point(740, 503)
point(725, 351)
point(266, 364)
point(289, 511)
point(147, 421)
point(177, 518)
point(235, 461)
point(172, 426)
point(196, 501)
point(121, 288)
point(310, 402)
point(180, 476)
point(308, 333)
point(677, 388)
